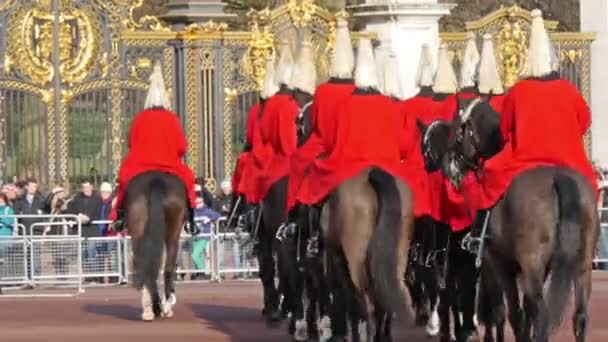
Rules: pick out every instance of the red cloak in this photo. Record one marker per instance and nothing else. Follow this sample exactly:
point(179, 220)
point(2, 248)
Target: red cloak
point(368, 135)
point(543, 123)
point(238, 183)
point(325, 105)
point(156, 143)
point(278, 140)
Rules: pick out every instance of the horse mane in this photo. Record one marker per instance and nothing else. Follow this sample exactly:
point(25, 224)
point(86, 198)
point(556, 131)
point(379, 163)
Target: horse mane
point(487, 122)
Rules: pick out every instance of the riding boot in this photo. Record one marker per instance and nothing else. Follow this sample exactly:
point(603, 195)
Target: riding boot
point(312, 250)
point(191, 226)
point(119, 223)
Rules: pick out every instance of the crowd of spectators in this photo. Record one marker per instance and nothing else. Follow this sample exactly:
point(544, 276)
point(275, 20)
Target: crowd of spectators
point(93, 203)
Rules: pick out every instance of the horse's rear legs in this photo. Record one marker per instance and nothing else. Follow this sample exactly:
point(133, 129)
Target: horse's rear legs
point(582, 291)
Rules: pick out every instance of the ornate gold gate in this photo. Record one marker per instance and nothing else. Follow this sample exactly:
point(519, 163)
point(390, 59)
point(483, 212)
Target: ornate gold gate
point(76, 71)
point(510, 28)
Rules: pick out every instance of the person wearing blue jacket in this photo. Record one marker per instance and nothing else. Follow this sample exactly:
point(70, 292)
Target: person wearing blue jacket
point(204, 217)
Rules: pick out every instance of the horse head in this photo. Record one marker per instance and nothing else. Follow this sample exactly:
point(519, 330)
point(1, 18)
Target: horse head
point(477, 137)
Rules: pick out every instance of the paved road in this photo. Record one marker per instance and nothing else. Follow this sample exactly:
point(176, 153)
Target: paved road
point(205, 312)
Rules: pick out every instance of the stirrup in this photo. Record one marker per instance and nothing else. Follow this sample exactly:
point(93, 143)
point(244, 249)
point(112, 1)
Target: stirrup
point(192, 228)
point(312, 248)
point(471, 243)
point(285, 231)
point(118, 225)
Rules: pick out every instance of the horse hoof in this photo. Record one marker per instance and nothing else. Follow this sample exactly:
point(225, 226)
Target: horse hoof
point(421, 319)
point(432, 326)
point(147, 316)
point(273, 319)
point(301, 333)
point(167, 314)
point(473, 337)
point(325, 333)
point(172, 299)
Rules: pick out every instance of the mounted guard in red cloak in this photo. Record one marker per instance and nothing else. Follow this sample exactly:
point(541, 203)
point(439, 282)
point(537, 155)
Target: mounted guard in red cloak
point(326, 102)
point(413, 172)
point(546, 101)
point(156, 143)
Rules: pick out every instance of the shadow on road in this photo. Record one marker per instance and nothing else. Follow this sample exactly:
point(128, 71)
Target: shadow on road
point(117, 311)
point(241, 324)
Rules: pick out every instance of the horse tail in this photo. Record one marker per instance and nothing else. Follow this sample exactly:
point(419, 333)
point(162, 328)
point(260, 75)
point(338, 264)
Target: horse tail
point(149, 254)
point(563, 268)
point(383, 251)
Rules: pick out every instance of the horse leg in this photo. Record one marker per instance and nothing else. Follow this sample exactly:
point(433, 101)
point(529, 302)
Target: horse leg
point(146, 304)
point(467, 288)
point(339, 306)
point(582, 291)
point(169, 276)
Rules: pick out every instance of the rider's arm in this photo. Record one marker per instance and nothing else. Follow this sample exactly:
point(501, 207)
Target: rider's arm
point(583, 113)
point(182, 143)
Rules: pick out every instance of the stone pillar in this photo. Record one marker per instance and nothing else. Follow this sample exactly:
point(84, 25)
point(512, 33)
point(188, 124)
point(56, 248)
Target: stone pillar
point(403, 26)
point(594, 18)
point(183, 12)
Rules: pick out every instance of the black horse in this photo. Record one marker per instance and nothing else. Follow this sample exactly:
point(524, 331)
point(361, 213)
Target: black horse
point(453, 269)
point(156, 206)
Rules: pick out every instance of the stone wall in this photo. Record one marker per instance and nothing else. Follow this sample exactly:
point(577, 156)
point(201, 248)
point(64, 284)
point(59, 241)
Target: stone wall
point(567, 12)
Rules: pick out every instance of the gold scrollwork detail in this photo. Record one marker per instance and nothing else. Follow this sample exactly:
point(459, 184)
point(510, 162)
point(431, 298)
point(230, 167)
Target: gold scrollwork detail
point(301, 13)
point(572, 55)
point(141, 65)
point(192, 120)
point(512, 49)
point(30, 47)
point(146, 22)
point(208, 27)
point(260, 46)
point(230, 95)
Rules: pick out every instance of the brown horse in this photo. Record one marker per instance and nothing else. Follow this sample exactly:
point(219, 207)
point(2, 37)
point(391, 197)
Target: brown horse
point(156, 207)
point(368, 224)
point(546, 223)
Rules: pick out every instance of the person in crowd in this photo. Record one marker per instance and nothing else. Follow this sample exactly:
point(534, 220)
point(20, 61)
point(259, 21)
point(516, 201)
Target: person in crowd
point(204, 216)
point(202, 191)
point(87, 205)
point(57, 205)
point(11, 191)
point(105, 191)
point(7, 223)
point(30, 203)
point(224, 199)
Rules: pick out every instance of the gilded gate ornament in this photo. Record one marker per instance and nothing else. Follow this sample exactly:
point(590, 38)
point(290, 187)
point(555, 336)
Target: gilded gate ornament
point(512, 47)
point(30, 42)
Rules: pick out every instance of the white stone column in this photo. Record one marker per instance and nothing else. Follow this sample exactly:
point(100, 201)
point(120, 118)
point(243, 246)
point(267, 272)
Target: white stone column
point(594, 18)
point(403, 26)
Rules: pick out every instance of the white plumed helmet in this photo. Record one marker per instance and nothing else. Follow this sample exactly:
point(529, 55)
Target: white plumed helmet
point(270, 87)
point(366, 75)
point(285, 66)
point(304, 74)
point(445, 78)
point(343, 57)
point(540, 60)
point(157, 93)
point(470, 61)
point(392, 85)
point(426, 68)
point(489, 77)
